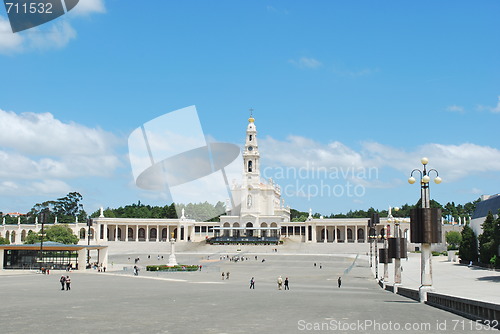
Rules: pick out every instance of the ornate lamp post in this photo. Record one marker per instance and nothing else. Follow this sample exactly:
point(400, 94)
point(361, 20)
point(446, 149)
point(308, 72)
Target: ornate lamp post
point(43, 219)
point(385, 257)
point(425, 226)
point(397, 247)
point(372, 223)
point(89, 225)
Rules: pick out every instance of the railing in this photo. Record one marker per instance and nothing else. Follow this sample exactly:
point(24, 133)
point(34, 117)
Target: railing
point(487, 313)
point(409, 293)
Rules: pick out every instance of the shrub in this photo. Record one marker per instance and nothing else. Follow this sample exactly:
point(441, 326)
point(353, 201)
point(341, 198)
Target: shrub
point(180, 267)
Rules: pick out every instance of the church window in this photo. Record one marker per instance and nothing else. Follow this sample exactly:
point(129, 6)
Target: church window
point(250, 166)
point(250, 138)
point(249, 201)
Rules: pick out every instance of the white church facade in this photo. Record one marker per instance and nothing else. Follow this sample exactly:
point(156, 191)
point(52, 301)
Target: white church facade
point(262, 215)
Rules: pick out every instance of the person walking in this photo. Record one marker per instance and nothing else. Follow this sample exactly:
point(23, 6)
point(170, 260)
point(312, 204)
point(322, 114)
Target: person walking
point(68, 283)
point(280, 282)
point(62, 280)
point(286, 284)
point(227, 275)
point(252, 283)
point(222, 275)
point(339, 281)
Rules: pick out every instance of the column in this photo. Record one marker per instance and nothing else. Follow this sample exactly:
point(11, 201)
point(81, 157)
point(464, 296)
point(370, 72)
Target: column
point(136, 233)
point(116, 232)
point(313, 230)
point(325, 234)
point(335, 234)
point(147, 233)
point(103, 256)
point(345, 234)
point(126, 232)
point(82, 263)
point(158, 233)
point(356, 233)
point(307, 233)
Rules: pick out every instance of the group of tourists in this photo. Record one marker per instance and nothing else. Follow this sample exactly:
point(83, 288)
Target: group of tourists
point(281, 283)
point(65, 282)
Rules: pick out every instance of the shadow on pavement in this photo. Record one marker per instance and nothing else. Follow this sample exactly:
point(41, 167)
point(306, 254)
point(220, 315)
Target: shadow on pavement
point(489, 278)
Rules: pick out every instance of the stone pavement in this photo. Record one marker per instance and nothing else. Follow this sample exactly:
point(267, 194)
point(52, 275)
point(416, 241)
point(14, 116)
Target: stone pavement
point(187, 302)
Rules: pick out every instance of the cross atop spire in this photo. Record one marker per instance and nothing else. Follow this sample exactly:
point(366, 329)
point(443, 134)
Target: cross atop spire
point(251, 119)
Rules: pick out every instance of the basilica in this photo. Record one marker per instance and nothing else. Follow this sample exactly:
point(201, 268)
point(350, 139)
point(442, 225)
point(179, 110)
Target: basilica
point(260, 216)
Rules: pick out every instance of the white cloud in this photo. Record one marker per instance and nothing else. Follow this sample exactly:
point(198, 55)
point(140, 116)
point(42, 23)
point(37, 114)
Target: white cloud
point(453, 162)
point(495, 109)
point(34, 188)
point(38, 146)
point(56, 37)
point(52, 35)
point(455, 108)
point(85, 7)
point(9, 42)
point(51, 136)
point(51, 187)
point(305, 62)
point(276, 10)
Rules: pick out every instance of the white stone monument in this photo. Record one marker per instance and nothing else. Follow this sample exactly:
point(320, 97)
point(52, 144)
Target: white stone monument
point(172, 261)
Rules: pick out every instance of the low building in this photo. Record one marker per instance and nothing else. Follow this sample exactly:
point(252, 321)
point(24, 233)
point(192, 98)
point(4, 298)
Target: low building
point(51, 255)
point(487, 204)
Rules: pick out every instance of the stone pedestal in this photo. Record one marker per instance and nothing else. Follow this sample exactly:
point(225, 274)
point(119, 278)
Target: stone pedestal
point(426, 272)
point(172, 261)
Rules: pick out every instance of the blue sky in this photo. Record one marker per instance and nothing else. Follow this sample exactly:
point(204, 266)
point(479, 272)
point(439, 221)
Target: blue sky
point(366, 85)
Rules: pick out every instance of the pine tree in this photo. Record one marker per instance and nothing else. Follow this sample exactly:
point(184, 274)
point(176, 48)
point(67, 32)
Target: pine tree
point(487, 240)
point(468, 246)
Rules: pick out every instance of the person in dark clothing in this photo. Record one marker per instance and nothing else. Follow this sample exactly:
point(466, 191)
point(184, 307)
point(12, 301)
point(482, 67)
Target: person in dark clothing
point(286, 284)
point(252, 283)
point(339, 281)
point(62, 280)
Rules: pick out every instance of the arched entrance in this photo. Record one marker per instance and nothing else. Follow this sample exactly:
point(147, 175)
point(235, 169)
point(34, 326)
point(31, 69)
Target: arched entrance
point(263, 232)
point(249, 229)
point(361, 235)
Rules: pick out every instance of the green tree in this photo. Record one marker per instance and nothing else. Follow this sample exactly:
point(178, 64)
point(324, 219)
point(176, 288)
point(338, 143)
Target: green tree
point(4, 241)
point(487, 240)
point(57, 233)
point(32, 238)
point(298, 216)
point(468, 247)
point(453, 239)
point(61, 233)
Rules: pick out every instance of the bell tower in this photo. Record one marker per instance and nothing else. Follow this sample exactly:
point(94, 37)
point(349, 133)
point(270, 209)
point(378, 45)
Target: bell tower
point(251, 156)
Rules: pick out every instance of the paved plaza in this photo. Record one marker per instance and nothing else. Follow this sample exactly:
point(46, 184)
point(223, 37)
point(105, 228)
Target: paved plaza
point(189, 302)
